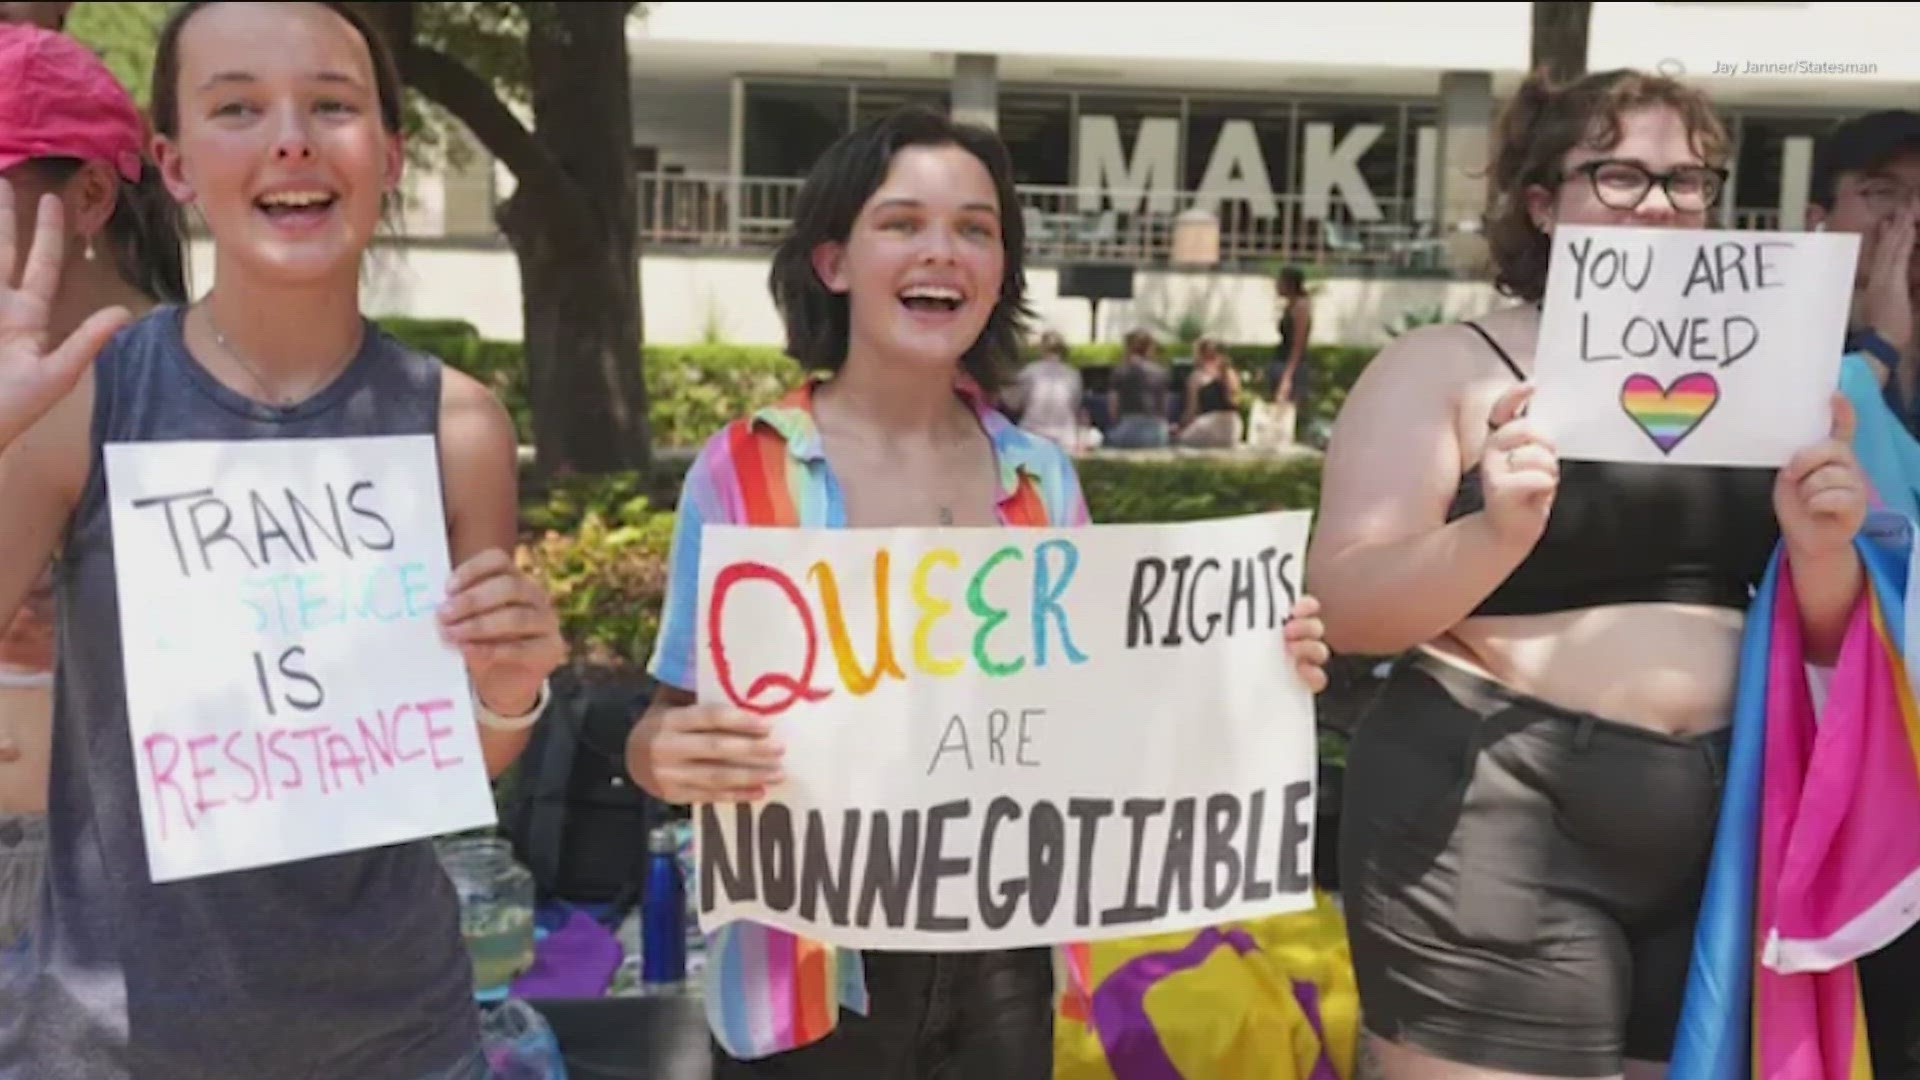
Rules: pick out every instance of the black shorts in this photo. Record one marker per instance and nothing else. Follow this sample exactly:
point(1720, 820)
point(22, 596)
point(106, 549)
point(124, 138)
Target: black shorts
point(1521, 880)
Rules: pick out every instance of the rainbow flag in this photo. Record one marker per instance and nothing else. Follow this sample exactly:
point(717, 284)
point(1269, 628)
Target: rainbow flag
point(1816, 861)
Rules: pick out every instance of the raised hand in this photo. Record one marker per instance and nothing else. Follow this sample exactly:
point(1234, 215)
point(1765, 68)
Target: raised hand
point(1886, 301)
point(1820, 497)
point(36, 372)
point(1519, 471)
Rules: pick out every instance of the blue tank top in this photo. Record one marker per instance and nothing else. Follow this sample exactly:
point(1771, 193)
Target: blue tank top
point(345, 966)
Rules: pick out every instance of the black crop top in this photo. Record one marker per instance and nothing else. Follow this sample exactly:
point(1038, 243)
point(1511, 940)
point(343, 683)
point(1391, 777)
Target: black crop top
point(1628, 533)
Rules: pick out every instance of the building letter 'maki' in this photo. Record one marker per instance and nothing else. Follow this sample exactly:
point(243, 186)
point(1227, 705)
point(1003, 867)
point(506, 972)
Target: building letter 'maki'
point(1237, 170)
point(1106, 176)
point(1328, 166)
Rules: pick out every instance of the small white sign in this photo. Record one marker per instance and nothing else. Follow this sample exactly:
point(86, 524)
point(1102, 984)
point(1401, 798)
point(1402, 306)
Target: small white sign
point(1699, 347)
point(288, 693)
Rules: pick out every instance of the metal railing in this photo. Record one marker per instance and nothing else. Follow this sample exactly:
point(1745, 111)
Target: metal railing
point(697, 212)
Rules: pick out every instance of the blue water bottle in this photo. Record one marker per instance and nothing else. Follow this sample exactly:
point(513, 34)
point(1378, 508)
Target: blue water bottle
point(663, 914)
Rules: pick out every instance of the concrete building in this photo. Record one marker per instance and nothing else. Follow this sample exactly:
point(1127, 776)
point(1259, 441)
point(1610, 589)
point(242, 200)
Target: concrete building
point(1341, 137)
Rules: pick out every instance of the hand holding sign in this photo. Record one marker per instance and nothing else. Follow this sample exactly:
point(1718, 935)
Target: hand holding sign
point(1821, 496)
point(1306, 643)
point(33, 376)
point(505, 627)
point(705, 753)
point(1519, 471)
point(1691, 346)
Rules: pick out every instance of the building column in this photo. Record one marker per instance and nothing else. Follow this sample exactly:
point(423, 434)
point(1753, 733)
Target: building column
point(976, 89)
point(1466, 143)
point(1796, 181)
point(469, 189)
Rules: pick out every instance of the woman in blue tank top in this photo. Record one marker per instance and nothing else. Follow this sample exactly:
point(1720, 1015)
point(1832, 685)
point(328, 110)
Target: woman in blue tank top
point(281, 124)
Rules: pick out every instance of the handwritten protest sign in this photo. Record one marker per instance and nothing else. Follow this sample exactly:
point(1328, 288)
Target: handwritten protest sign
point(1700, 347)
point(1004, 738)
point(287, 689)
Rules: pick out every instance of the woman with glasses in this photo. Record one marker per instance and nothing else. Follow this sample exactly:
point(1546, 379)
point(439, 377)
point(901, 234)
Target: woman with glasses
point(1531, 800)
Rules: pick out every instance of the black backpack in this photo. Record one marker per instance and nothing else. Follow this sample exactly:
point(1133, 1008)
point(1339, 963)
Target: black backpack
point(577, 821)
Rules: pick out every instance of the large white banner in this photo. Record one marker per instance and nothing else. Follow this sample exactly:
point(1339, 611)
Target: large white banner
point(288, 692)
point(999, 738)
point(1697, 347)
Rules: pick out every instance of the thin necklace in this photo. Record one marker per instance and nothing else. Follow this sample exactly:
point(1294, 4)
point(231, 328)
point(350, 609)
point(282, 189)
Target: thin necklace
point(253, 373)
point(942, 509)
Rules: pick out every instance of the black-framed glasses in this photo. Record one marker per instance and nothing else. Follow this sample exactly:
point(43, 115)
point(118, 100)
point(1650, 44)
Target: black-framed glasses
point(1623, 185)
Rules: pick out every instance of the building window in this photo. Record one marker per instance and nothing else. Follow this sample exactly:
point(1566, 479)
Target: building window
point(789, 125)
point(873, 102)
point(1038, 131)
point(1761, 158)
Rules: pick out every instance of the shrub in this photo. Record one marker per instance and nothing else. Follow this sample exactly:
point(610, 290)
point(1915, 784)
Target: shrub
point(1123, 491)
point(601, 551)
point(693, 389)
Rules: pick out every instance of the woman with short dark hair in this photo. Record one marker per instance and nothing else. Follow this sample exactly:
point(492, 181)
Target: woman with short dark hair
point(903, 291)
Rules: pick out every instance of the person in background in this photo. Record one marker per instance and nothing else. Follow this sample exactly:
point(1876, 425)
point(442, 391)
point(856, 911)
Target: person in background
point(1531, 799)
point(282, 124)
point(1866, 180)
point(1289, 377)
point(902, 289)
point(1047, 395)
point(1140, 397)
point(1212, 416)
point(70, 130)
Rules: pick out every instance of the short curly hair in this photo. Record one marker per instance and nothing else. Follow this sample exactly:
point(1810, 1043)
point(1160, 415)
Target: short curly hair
point(1542, 124)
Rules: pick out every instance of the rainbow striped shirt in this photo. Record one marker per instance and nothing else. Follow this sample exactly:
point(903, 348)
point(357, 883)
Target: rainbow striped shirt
point(768, 990)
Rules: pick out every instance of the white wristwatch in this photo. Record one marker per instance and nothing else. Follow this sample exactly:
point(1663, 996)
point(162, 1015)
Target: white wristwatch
point(489, 718)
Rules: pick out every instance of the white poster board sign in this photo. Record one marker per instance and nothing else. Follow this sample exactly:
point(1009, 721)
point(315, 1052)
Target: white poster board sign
point(1002, 738)
point(1697, 347)
point(288, 692)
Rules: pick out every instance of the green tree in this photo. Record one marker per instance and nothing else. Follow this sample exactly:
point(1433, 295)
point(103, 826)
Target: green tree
point(572, 218)
point(123, 34)
point(1559, 41)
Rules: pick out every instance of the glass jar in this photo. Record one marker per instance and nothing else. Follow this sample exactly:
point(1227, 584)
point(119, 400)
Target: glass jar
point(496, 908)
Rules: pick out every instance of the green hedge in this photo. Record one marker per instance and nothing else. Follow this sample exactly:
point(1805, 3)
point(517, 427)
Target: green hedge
point(694, 389)
point(1131, 491)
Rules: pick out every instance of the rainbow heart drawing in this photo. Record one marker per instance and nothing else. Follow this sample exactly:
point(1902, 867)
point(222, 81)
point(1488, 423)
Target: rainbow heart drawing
point(1669, 414)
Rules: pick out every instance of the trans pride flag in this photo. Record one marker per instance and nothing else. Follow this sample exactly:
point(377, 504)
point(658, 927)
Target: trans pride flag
point(1816, 861)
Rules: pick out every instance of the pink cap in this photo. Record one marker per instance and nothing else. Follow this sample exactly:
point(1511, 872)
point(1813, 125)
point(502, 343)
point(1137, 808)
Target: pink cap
point(58, 100)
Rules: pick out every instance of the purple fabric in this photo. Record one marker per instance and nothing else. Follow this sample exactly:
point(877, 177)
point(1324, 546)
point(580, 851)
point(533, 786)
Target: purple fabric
point(575, 961)
point(1133, 1047)
point(1308, 995)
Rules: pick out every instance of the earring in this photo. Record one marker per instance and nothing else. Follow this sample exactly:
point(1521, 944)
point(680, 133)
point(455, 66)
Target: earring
point(88, 254)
